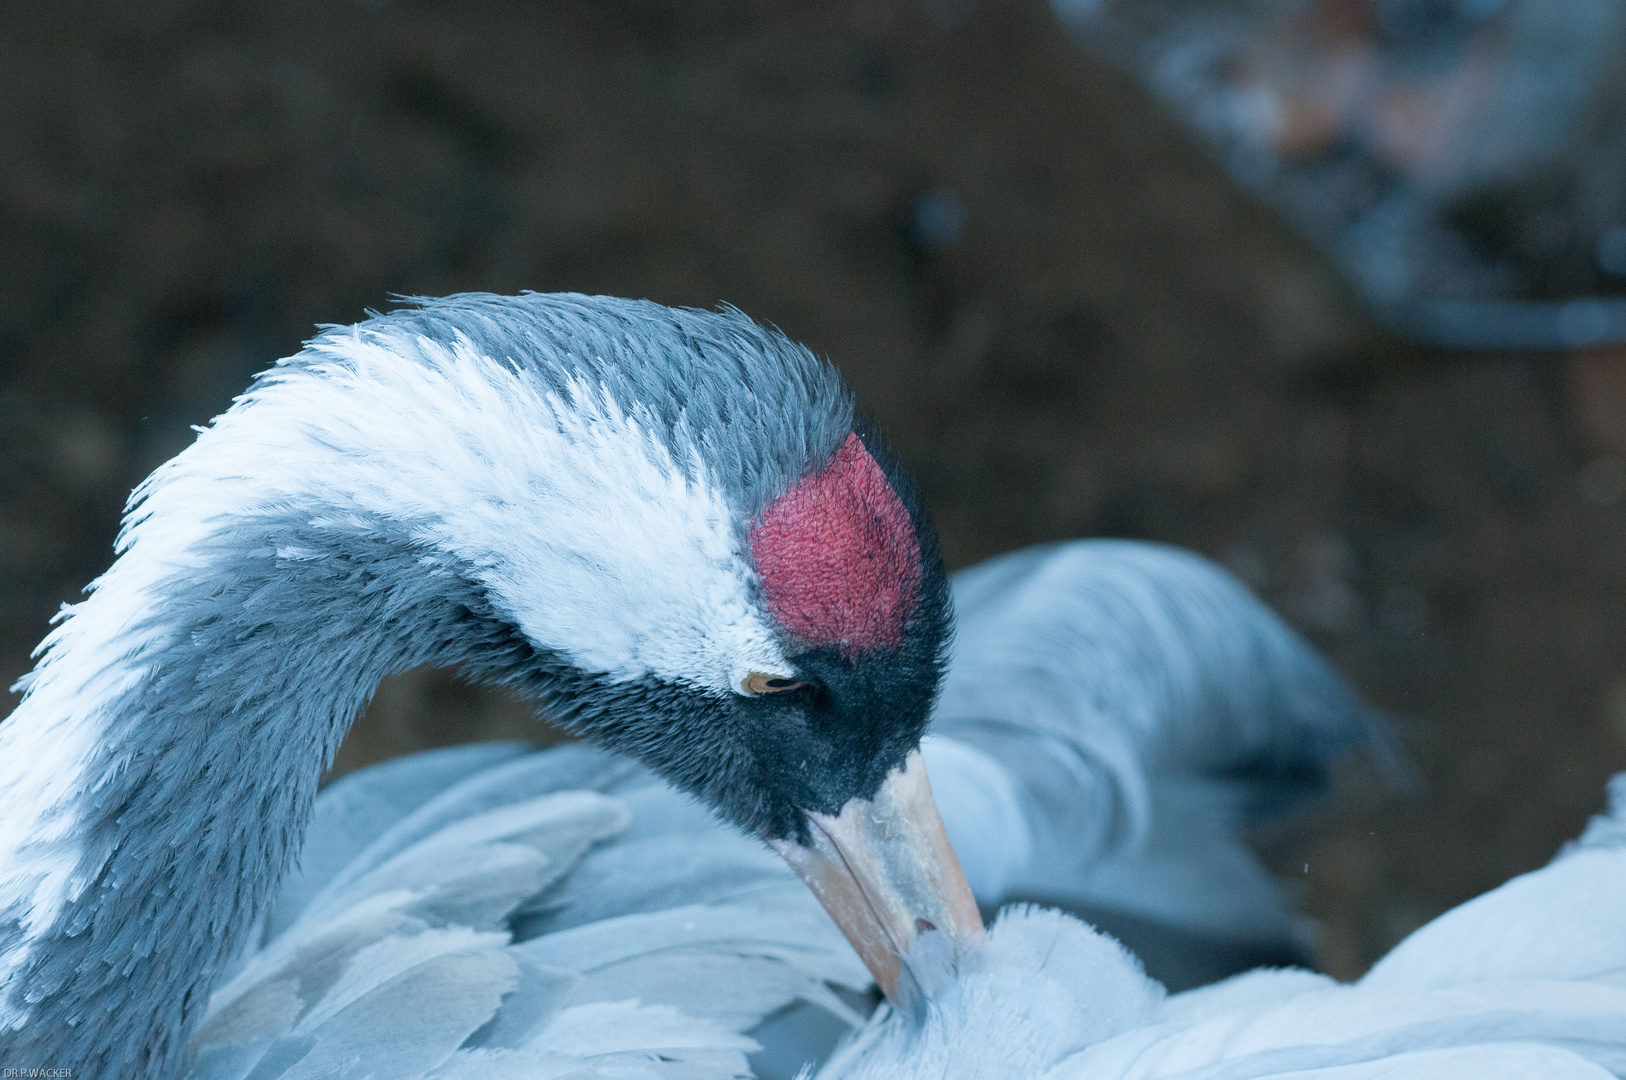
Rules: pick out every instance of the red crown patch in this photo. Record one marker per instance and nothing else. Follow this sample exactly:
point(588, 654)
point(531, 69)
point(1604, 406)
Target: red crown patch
point(838, 557)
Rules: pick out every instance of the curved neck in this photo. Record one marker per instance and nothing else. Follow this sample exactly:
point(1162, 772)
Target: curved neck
point(399, 493)
point(158, 776)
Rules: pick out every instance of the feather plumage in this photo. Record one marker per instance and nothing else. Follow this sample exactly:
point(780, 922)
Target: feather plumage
point(404, 961)
point(1152, 653)
point(1122, 709)
point(1527, 980)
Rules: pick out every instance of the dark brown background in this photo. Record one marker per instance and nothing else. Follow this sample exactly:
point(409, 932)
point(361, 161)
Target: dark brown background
point(1120, 343)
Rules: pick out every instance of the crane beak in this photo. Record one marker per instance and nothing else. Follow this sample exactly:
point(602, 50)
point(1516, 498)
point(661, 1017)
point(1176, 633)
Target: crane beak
point(885, 871)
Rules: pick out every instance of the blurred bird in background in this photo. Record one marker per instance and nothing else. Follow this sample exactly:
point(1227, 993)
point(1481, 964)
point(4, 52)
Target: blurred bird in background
point(1463, 161)
point(1460, 159)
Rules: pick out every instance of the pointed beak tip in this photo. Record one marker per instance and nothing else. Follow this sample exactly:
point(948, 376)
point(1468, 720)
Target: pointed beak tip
point(885, 871)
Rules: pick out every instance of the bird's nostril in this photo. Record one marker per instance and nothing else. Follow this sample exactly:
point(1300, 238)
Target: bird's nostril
point(923, 925)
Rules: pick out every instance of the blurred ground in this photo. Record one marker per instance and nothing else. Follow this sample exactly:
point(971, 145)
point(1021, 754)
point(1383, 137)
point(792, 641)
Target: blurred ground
point(1066, 319)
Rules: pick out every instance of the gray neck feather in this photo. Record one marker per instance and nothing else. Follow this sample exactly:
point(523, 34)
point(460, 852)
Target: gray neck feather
point(206, 774)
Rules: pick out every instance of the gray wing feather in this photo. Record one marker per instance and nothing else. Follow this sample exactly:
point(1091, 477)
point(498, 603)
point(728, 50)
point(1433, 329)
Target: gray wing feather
point(357, 809)
point(784, 928)
point(481, 1064)
point(495, 859)
point(1143, 655)
point(608, 1034)
point(539, 994)
point(740, 991)
point(657, 810)
point(523, 778)
point(1128, 705)
point(448, 997)
point(753, 959)
point(651, 874)
point(449, 984)
point(656, 936)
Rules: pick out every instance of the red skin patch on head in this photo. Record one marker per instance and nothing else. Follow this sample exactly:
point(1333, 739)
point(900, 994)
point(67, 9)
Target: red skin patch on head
point(838, 557)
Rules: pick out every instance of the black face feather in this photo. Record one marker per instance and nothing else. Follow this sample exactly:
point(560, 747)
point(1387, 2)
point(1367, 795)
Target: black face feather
point(761, 760)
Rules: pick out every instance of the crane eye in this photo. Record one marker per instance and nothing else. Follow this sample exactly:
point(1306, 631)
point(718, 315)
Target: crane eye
point(758, 683)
